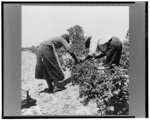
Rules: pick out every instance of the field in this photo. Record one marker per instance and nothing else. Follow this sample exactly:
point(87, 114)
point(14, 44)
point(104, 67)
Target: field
point(66, 102)
point(90, 91)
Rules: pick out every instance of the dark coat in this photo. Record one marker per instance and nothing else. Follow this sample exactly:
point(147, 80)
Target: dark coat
point(47, 66)
point(112, 50)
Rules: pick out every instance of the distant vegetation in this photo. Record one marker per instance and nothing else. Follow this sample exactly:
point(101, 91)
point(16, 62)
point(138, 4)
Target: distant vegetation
point(32, 49)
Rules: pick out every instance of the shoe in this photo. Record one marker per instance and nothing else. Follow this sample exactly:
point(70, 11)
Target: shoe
point(47, 90)
point(56, 89)
point(50, 91)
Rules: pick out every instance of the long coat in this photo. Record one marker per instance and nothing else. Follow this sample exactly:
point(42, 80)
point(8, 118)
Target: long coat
point(48, 65)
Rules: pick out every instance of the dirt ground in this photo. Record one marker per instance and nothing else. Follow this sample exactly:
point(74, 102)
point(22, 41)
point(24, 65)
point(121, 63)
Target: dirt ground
point(66, 102)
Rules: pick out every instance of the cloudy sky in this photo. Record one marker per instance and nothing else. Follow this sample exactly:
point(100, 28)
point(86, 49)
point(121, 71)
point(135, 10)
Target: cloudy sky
point(42, 22)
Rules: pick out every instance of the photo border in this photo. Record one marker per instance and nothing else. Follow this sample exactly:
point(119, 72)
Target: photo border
point(76, 3)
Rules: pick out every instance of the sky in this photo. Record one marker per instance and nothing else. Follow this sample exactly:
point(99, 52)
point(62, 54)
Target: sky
point(40, 23)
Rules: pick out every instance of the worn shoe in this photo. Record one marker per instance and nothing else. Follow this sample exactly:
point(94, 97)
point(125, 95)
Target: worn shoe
point(50, 91)
point(47, 90)
point(56, 89)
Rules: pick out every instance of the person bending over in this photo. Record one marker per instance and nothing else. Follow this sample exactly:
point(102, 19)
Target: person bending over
point(48, 65)
point(112, 49)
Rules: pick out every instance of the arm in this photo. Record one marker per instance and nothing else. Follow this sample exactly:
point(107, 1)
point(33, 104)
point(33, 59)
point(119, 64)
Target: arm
point(73, 56)
point(87, 57)
point(100, 56)
point(90, 56)
point(67, 46)
point(82, 59)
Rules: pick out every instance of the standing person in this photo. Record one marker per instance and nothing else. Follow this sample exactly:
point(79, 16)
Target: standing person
point(48, 66)
point(112, 49)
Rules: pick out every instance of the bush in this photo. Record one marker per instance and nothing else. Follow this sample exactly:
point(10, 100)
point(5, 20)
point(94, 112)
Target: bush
point(124, 61)
point(109, 87)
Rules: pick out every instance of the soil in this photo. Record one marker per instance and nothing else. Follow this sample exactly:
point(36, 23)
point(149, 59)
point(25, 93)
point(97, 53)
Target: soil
point(65, 102)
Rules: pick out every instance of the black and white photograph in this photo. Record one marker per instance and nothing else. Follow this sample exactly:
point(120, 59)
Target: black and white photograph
point(75, 60)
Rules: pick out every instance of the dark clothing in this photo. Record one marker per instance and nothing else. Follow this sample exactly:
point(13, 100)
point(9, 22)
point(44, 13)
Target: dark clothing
point(47, 66)
point(112, 50)
point(58, 42)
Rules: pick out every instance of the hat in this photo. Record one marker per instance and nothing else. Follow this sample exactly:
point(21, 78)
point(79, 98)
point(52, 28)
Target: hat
point(66, 37)
point(87, 41)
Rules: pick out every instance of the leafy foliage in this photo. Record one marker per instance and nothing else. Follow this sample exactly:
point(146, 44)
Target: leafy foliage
point(124, 61)
point(76, 34)
point(108, 87)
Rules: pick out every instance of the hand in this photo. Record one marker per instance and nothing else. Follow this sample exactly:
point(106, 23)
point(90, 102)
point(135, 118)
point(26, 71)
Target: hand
point(64, 69)
point(101, 68)
point(73, 56)
point(81, 59)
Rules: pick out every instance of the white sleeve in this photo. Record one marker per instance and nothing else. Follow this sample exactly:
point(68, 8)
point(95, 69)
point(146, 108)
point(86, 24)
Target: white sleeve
point(93, 47)
point(65, 44)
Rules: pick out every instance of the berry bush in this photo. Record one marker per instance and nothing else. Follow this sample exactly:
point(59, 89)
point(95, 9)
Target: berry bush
point(108, 87)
